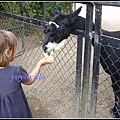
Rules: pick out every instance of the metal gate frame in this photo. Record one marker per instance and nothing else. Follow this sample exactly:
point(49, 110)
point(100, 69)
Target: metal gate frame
point(96, 60)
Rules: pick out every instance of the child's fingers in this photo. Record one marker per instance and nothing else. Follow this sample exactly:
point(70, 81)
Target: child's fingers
point(47, 61)
point(50, 59)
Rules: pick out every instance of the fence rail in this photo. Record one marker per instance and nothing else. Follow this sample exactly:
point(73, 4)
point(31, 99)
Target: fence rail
point(23, 18)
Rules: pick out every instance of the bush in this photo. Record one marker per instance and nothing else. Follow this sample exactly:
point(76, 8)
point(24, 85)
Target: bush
point(37, 10)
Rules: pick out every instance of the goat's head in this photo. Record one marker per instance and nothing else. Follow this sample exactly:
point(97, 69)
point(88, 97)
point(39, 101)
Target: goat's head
point(59, 29)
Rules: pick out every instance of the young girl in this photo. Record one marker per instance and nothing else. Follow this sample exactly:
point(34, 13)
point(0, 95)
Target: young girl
point(13, 102)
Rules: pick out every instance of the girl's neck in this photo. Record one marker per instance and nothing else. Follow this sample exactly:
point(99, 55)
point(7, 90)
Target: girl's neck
point(4, 67)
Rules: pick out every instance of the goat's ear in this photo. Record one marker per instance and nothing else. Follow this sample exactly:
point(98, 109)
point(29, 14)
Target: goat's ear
point(73, 16)
point(58, 11)
point(75, 13)
point(44, 24)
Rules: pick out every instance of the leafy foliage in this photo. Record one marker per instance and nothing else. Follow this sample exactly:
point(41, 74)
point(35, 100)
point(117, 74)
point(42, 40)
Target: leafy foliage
point(38, 10)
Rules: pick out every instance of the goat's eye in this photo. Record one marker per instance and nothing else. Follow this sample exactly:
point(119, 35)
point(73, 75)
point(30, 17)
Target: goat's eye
point(44, 31)
point(48, 30)
point(52, 34)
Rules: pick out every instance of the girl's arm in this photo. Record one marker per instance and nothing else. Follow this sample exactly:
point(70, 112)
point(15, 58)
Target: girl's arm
point(36, 70)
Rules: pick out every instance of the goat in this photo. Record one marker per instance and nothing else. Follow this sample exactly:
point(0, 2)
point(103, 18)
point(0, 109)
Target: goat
point(59, 29)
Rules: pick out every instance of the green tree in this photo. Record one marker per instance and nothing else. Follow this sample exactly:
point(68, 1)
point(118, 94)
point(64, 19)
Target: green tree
point(37, 10)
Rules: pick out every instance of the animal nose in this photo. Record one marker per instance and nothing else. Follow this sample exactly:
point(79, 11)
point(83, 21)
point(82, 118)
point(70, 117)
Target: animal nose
point(44, 48)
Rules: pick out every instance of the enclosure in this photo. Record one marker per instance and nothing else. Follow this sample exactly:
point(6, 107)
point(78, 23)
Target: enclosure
point(74, 85)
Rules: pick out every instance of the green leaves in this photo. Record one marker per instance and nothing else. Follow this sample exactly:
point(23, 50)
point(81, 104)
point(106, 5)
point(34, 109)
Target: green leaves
point(38, 10)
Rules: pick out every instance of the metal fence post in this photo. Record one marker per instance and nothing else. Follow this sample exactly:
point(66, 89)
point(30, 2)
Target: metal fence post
point(22, 22)
point(44, 11)
point(87, 57)
point(96, 60)
point(78, 74)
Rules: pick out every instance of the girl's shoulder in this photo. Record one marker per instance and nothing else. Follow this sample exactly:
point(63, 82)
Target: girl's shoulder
point(17, 69)
point(13, 68)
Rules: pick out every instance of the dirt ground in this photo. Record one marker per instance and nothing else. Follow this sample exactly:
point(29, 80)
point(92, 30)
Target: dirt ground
point(38, 109)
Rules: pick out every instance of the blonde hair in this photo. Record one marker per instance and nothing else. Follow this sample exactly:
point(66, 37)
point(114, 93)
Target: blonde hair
point(7, 41)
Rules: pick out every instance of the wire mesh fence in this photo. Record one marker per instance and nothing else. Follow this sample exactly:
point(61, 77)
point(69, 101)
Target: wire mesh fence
point(56, 88)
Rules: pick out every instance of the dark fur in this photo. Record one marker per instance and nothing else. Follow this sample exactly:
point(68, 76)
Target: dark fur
point(109, 58)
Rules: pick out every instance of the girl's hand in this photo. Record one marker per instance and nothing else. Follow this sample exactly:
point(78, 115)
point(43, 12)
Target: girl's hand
point(45, 61)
